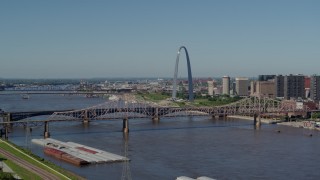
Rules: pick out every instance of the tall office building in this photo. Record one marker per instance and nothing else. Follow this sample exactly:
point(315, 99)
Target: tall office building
point(265, 88)
point(242, 86)
point(315, 87)
point(294, 86)
point(279, 86)
point(253, 90)
point(226, 85)
point(210, 88)
point(307, 84)
point(266, 77)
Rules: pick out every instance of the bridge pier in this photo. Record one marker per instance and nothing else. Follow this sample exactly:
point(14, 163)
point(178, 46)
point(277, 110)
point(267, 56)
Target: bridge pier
point(9, 117)
point(46, 133)
point(257, 122)
point(125, 125)
point(156, 116)
point(85, 120)
point(5, 131)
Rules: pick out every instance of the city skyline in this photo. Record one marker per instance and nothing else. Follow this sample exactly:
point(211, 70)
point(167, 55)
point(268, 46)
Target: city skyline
point(88, 39)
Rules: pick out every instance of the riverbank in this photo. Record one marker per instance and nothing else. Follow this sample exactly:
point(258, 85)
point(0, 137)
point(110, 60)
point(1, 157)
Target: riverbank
point(263, 120)
point(301, 124)
point(296, 124)
point(39, 166)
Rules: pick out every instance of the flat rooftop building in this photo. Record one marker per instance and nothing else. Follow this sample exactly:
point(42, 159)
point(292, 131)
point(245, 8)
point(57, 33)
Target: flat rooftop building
point(242, 86)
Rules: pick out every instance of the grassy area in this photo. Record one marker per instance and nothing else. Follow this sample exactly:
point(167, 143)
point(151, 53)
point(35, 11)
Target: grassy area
point(154, 97)
point(23, 173)
point(198, 101)
point(39, 161)
point(214, 101)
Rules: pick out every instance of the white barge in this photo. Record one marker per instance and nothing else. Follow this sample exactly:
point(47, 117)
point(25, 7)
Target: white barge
point(83, 153)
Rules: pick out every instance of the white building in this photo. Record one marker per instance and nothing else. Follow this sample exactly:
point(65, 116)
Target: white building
point(226, 85)
point(210, 88)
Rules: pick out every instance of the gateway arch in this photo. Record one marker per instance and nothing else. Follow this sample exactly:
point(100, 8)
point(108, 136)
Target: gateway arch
point(174, 91)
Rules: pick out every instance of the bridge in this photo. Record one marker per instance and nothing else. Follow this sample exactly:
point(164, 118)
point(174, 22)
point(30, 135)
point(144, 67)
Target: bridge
point(17, 116)
point(125, 110)
point(106, 92)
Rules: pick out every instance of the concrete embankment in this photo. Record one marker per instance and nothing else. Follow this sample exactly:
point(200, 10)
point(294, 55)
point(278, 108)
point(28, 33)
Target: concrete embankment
point(301, 124)
point(263, 120)
point(297, 124)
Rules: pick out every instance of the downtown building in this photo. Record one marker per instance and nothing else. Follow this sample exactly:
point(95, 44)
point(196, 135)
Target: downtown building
point(279, 86)
point(226, 85)
point(294, 87)
point(242, 86)
point(315, 87)
point(266, 77)
point(211, 86)
point(264, 87)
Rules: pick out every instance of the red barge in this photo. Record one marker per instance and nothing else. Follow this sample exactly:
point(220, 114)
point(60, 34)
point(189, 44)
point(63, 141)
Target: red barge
point(65, 156)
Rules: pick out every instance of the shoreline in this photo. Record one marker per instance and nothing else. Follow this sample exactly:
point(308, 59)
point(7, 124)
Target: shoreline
point(295, 124)
point(263, 120)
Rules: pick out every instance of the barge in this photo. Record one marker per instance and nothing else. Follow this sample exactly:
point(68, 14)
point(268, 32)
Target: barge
point(64, 156)
point(77, 154)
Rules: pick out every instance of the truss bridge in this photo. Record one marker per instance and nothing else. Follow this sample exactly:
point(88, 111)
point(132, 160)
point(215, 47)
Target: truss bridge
point(125, 110)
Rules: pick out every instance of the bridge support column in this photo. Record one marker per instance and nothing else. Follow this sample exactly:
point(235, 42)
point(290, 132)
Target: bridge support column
point(6, 131)
point(125, 126)
point(8, 117)
point(156, 115)
point(85, 118)
point(46, 133)
point(257, 122)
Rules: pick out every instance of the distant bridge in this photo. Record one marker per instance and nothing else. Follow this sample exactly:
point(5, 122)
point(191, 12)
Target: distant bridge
point(124, 110)
point(17, 116)
point(109, 92)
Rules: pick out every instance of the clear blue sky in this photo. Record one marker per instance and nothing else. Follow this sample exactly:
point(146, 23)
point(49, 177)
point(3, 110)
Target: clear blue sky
point(85, 39)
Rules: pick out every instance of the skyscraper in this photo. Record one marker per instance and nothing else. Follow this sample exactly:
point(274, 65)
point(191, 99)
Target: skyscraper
point(294, 86)
point(253, 90)
point(315, 87)
point(279, 86)
point(266, 77)
point(226, 85)
point(210, 88)
point(242, 86)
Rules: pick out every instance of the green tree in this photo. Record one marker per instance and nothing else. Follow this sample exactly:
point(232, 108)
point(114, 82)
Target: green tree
point(6, 176)
point(315, 115)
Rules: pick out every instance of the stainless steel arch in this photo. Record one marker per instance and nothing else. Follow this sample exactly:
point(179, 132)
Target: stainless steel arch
point(174, 91)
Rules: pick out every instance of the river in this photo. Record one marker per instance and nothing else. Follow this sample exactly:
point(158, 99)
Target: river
point(172, 147)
